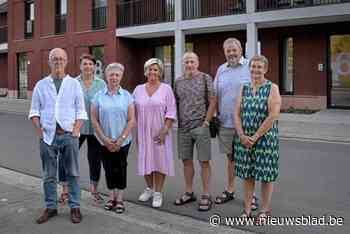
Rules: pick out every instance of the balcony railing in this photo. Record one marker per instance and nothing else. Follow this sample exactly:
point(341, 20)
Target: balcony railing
point(141, 12)
point(60, 24)
point(266, 5)
point(192, 9)
point(99, 17)
point(3, 34)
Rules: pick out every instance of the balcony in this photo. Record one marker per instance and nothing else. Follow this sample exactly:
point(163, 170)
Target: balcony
point(266, 5)
point(3, 34)
point(192, 9)
point(208, 16)
point(99, 18)
point(60, 24)
point(142, 12)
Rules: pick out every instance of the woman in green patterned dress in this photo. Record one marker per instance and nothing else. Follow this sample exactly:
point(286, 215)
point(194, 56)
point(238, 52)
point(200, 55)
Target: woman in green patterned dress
point(256, 146)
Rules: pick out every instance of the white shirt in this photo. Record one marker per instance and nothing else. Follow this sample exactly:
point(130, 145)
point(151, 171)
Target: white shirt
point(64, 107)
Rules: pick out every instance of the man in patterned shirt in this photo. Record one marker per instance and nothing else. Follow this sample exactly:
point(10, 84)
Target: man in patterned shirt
point(195, 104)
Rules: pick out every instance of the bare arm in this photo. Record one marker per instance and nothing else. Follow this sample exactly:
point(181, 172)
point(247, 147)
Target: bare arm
point(95, 124)
point(210, 95)
point(160, 139)
point(211, 109)
point(168, 124)
point(274, 106)
point(36, 123)
point(237, 120)
point(130, 125)
point(237, 114)
point(170, 116)
point(77, 126)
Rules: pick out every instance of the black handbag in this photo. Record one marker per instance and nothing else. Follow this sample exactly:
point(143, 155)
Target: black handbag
point(214, 127)
point(214, 123)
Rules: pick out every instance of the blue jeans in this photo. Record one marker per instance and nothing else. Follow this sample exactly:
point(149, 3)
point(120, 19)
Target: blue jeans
point(94, 156)
point(64, 147)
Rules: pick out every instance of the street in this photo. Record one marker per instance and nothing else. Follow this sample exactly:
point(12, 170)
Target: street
point(313, 178)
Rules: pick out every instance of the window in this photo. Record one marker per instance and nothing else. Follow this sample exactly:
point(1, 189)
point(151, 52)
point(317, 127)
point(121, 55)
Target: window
point(99, 14)
point(3, 34)
point(29, 19)
point(61, 16)
point(98, 52)
point(286, 80)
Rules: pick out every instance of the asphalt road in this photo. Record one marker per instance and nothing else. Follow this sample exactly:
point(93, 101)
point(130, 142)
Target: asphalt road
point(314, 179)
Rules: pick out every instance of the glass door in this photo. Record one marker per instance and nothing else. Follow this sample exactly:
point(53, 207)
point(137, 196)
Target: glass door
point(22, 67)
point(166, 54)
point(340, 71)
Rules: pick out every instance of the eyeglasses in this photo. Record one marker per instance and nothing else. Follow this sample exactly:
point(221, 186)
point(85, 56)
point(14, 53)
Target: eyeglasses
point(55, 59)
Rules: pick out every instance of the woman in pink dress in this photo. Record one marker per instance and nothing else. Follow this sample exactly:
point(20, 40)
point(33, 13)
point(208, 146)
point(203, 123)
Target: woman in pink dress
point(155, 114)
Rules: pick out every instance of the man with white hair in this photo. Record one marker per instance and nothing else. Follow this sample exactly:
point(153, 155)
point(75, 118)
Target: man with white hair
point(57, 113)
point(229, 77)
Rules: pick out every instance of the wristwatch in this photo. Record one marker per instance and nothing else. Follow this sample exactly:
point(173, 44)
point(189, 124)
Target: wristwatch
point(123, 137)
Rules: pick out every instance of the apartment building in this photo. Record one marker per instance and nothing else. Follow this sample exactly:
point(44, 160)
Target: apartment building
point(307, 42)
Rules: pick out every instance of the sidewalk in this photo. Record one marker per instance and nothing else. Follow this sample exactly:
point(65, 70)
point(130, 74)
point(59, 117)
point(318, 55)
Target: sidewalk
point(327, 125)
point(21, 204)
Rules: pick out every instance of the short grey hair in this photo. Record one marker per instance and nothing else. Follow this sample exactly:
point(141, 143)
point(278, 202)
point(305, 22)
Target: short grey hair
point(152, 61)
point(259, 58)
point(114, 66)
point(232, 41)
point(190, 54)
point(55, 49)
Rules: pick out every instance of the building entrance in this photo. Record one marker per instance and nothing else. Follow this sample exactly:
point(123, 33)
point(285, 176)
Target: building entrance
point(339, 85)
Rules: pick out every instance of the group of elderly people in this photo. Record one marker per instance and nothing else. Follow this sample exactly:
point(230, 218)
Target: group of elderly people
point(66, 111)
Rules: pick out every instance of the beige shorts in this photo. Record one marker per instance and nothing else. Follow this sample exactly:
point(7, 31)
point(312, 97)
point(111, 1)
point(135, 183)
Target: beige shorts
point(225, 139)
point(188, 139)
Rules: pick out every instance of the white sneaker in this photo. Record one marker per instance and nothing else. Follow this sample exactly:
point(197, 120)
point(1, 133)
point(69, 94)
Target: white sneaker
point(146, 195)
point(157, 199)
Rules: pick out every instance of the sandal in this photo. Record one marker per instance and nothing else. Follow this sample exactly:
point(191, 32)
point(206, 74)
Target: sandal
point(185, 198)
point(205, 203)
point(255, 204)
point(96, 197)
point(110, 205)
point(261, 217)
point(244, 214)
point(226, 196)
point(119, 208)
point(247, 218)
point(63, 198)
